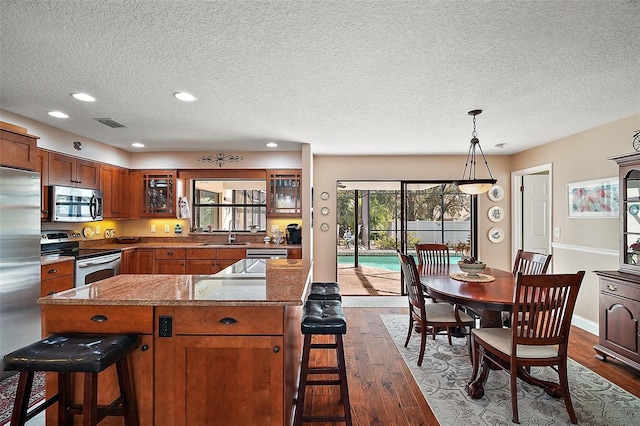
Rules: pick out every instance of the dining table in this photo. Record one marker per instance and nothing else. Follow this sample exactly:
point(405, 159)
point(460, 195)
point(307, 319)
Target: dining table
point(488, 296)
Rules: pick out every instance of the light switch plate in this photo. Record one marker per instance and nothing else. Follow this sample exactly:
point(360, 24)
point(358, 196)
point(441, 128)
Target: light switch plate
point(166, 229)
point(98, 229)
point(556, 232)
point(153, 228)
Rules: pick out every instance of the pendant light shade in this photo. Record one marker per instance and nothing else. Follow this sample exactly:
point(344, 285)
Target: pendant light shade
point(470, 184)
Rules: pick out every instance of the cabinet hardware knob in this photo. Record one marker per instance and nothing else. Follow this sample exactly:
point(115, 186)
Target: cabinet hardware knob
point(276, 349)
point(170, 253)
point(144, 348)
point(228, 321)
point(99, 318)
point(612, 287)
point(52, 271)
point(50, 293)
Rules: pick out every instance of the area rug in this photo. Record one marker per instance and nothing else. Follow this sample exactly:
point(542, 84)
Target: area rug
point(8, 388)
point(446, 369)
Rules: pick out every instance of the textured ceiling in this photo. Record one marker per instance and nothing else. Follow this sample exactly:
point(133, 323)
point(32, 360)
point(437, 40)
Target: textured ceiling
point(347, 77)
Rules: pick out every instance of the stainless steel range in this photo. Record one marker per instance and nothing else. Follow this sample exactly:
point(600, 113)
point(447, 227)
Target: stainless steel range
point(91, 264)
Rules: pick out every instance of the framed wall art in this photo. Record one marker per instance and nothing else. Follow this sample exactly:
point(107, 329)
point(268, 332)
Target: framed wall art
point(598, 198)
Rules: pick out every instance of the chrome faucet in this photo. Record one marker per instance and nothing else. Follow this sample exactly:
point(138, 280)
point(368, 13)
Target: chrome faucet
point(232, 237)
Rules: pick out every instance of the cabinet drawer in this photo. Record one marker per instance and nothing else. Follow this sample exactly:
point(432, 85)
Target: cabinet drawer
point(56, 285)
point(232, 253)
point(201, 253)
point(55, 270)
point(619, 288)
point(220, 320)
point(177, 253)
point(99, 319)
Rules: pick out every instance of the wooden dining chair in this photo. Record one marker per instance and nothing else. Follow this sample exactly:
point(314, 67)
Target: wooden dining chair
point(547, 301)
point(531, 263)
point(431, 318)
point(432, 254)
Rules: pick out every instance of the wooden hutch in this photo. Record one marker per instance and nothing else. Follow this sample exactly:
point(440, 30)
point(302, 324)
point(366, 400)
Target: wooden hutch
point(620, 290)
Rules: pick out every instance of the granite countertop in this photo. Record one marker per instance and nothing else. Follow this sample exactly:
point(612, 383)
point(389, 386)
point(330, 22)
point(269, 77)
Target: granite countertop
point(190, 245)
point(51, 259)
point(248, 282)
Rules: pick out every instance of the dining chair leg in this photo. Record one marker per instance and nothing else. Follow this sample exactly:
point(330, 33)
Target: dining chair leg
point(513, 376)
point(406, 342)
point(423, 344)
point(564, 385)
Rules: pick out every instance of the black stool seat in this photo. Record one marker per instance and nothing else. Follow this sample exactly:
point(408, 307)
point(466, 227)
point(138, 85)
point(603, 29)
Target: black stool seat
point(71, 354)
point(75, 353)
point(324, 291)
point(323, 317)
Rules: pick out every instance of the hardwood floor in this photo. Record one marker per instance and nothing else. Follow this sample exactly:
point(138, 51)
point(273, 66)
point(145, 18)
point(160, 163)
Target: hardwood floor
point(382, 390)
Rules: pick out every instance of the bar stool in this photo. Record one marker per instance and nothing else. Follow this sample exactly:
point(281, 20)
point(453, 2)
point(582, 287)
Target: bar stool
point(325, 291)
point(77, 353)
point(323, 317)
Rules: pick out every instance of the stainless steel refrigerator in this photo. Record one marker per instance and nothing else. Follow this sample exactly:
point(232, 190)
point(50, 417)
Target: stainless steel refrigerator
point(19, 259)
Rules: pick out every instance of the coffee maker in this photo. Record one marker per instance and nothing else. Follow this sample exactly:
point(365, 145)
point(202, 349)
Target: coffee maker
point(294, 234)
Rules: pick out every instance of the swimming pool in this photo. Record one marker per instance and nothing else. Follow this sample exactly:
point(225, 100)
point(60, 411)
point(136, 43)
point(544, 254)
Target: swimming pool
point(388, 262)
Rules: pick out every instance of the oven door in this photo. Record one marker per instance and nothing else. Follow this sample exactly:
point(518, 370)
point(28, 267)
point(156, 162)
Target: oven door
point(97, 268)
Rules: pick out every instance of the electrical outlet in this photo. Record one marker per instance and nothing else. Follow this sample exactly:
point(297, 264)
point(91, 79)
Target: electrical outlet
point(166, 229)
point(153, 228)
point(98, 229)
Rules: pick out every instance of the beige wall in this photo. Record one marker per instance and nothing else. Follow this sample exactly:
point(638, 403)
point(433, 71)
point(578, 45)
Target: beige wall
point(584, 244)
point(330, 169)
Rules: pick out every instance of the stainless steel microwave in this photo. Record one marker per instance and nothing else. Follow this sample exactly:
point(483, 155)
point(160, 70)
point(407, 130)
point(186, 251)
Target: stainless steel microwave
point(70, 204)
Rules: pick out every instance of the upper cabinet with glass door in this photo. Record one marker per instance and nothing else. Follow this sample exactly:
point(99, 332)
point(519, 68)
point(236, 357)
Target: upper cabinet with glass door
point(629, 166)
point(284, 198)
point(154, 193)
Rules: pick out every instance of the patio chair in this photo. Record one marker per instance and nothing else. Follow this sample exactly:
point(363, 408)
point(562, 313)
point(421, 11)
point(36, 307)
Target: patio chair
point(547, 301)
point(431, 318)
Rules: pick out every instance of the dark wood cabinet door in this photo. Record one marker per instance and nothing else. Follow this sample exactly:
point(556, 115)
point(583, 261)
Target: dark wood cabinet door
point(71, 171)
point(138, 261)
point(170, 266)
point(114, 183)
point(42, 167)
point(200, 266)
point(251, 368)
point(18, 150)
point(87, 174)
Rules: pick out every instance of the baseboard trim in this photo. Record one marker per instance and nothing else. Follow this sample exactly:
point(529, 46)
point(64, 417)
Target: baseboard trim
point(585, 249)
point(585, 324)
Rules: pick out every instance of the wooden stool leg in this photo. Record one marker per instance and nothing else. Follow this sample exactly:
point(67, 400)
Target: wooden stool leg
point(65, 395)
point(304, 370)
point(127, 391)
point(90, 404)
point(344, 389)
point(25, 382)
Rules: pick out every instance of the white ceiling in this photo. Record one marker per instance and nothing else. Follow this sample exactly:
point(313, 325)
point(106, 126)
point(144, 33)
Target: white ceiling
point(348, 77)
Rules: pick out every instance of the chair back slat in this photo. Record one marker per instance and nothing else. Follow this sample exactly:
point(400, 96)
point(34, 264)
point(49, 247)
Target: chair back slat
point(412, 282)
point(543, 309)
point(432, 254)
point(531, 263)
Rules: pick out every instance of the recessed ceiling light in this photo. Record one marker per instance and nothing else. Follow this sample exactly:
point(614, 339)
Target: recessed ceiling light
point(184, 96)
point(57, 114)
point(272, 144)
point(137, 145)
point(83, 97)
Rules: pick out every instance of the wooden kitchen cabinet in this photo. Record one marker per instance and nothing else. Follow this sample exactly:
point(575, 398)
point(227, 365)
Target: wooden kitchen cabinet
point(56, 277)
point(153, 193)
point(206, 261)
point(42, 167)
point(72, 171)
point(619, 317)
point(294, 253)
point(114, 183)
point(284, 198)
point(138, 261)
point(124, 320)
point(170, 261)
point(18, 148)
point(238, 354)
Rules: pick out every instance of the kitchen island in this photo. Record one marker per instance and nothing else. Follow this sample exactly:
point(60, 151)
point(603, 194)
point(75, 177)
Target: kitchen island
point(214, 349)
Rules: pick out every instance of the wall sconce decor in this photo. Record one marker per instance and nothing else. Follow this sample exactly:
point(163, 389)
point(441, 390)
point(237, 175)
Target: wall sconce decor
point(470, 184)
point(77, 145)
point(220, 158)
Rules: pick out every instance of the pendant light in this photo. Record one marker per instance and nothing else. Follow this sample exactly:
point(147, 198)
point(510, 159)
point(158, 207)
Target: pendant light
point(470, 184)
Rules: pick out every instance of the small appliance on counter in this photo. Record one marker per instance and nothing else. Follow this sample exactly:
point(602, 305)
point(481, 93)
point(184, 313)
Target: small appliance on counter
point(294, 234)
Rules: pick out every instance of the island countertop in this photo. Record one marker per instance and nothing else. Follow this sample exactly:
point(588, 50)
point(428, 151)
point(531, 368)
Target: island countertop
point(248, 282)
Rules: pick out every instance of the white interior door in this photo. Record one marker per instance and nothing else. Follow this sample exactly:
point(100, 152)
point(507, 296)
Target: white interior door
point(535, 213)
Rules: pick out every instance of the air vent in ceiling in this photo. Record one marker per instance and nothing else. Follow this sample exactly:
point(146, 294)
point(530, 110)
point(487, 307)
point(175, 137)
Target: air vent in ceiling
point(110, 122)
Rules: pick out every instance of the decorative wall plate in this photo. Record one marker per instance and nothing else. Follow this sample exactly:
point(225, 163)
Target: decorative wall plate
point(324, 195)
point(496, 234)
point(324, 226)
point(496, 214)
point(496, 193)
point(325, 211)
point(88, 232)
